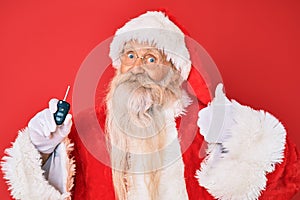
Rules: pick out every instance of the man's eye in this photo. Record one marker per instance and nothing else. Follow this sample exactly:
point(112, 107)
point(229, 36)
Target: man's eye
point(151, 60)
point(130, 55)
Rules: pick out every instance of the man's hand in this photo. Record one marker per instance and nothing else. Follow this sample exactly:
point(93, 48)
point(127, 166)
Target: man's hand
point(44, 133)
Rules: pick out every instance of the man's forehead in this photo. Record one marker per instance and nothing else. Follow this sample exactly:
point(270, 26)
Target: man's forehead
point(139, 45)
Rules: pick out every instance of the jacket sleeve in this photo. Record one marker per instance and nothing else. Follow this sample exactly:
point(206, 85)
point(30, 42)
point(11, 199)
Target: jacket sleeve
point(27, 178)
point(284, 182)
point(238, 167)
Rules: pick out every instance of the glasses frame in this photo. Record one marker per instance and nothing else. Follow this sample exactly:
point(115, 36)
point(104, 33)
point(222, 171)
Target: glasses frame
point(150, 52)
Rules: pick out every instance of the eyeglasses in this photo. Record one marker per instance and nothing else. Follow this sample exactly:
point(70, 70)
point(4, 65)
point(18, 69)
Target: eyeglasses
point(130, 57)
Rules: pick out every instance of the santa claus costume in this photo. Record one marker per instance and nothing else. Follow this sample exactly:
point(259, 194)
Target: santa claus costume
point(253, 159)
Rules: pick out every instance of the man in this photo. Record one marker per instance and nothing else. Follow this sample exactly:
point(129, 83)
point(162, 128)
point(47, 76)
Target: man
point(147, 160)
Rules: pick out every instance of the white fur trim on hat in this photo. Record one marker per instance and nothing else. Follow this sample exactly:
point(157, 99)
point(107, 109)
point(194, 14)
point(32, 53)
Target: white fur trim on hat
point(156, 29)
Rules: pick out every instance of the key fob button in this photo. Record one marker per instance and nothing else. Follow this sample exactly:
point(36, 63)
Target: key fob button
point(59, 114)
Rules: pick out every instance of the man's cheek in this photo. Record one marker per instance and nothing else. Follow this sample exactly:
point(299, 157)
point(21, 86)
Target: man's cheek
point(158, 74)
point(124, 69)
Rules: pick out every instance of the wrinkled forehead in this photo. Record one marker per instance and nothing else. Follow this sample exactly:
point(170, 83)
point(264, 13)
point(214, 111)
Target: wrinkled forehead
point(141, 47)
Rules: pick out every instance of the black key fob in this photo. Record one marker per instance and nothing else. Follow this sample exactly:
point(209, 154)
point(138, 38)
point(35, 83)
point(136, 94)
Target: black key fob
point(63, 108)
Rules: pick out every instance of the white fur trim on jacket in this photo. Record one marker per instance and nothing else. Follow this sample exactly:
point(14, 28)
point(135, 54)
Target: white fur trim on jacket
point(237, 168)
point(22, 170)
point(156, 29)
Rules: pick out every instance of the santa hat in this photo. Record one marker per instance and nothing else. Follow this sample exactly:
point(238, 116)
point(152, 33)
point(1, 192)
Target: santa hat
point(156, 29)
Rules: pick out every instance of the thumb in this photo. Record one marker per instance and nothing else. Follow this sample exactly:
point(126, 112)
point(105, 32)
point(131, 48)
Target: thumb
point(220, 97)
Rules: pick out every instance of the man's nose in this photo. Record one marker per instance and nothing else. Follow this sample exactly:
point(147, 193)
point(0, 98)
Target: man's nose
point(138, 61)
point(136, 68)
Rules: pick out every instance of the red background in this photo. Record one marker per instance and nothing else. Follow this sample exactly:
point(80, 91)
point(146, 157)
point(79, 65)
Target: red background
point(255, 45)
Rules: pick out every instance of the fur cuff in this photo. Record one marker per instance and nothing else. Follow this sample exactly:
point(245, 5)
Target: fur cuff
point(238, 169)
point(22, 170)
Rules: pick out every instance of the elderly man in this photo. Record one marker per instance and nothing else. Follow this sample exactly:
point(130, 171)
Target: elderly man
point(147, 160)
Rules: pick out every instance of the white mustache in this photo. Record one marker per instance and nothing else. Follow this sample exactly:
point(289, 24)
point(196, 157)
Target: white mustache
point(146, 74)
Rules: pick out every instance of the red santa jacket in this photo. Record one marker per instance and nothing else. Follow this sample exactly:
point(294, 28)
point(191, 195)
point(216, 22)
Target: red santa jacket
point(94, 179)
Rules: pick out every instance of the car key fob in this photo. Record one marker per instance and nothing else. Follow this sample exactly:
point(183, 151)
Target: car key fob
point(63, 108)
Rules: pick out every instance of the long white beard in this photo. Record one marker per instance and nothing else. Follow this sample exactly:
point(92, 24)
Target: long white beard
point(141, 131)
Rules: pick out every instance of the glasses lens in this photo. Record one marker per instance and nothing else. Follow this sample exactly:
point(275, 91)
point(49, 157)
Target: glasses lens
point(128, 58)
